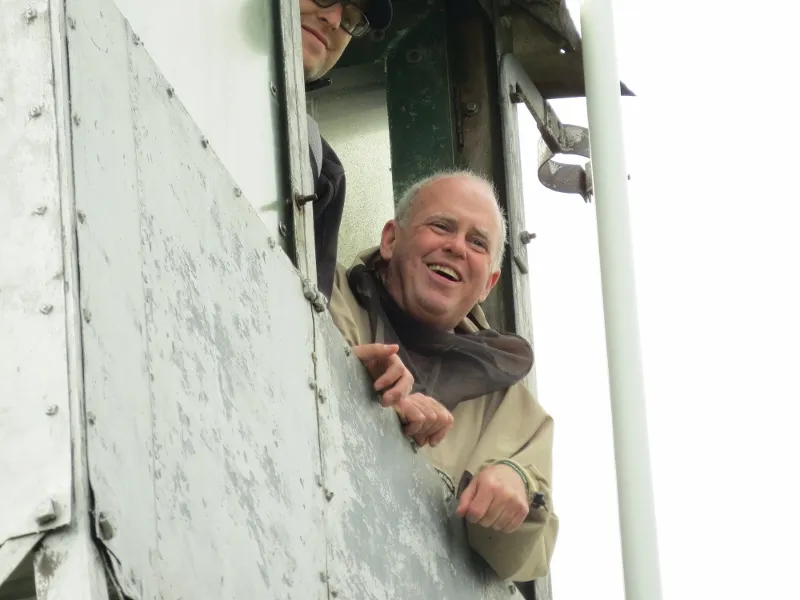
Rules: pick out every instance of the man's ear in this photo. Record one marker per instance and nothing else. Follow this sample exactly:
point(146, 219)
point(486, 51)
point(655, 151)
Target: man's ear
point(493, 279)
point(388, 238)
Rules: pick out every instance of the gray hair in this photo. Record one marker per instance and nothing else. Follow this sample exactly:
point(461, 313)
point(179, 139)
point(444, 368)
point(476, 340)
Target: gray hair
point(405, 206)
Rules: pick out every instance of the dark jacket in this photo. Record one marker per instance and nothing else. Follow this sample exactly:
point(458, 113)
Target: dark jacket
point(328, 208)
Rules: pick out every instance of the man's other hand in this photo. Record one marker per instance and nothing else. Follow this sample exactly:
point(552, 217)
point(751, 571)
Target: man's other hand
point(392, 379)
point(424, 419)
point(496, 498)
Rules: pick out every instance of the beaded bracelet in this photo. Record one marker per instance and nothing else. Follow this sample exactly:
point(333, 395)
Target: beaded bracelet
point(519, 471)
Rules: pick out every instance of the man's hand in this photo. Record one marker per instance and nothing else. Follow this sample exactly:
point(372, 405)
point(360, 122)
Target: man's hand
point(392, 379)
point(424, 418)
point(496, 498)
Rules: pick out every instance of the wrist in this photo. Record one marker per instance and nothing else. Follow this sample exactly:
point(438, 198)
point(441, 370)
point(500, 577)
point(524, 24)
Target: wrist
point(519, 470)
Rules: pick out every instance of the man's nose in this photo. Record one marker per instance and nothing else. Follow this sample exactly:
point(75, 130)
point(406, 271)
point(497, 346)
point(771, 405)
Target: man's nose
point(332, 15)
point(457, 245)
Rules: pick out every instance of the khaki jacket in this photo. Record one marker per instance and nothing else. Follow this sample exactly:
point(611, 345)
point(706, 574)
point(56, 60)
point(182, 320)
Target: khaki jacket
point(510, 425)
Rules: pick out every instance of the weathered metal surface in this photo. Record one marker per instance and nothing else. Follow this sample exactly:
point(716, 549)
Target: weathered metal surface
point(389, 518)
point(517, 253)
point(34, 413)
point(68, 565)
point(296, 155)
point(219, 56)
point(197, 344)
point(419, 97)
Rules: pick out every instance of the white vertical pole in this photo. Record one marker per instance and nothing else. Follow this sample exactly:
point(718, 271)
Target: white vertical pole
point(631, 448)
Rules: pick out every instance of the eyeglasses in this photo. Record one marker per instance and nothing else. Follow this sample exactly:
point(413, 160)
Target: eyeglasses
point(354, 21)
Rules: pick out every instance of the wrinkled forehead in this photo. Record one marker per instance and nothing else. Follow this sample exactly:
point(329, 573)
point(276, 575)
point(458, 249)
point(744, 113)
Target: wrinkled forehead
point(471, 203)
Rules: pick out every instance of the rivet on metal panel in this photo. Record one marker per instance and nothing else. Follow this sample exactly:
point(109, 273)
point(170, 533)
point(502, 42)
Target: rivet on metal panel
point(323, 577)
point(471, 109)
point(87, 315)
point(309, 292)
point(237, 192)
point(271, 242)
point(328, 495)
point(46, 309)
point(36, 111)
point(137, 41)
point(104, 527)
point(319, 302)
point(90, 418)
point(413, 56)
point(81, 216)
point(273, 88)
point(39, 210)
point(30, 15)
point(520, 262)
point(204, 142)
point(282, 229)
point(512, 589)
point(312, 384)
point(526, 237)
point(51, 410)
point(71, 22)
point(76, 119)
point(170, 91)
point(46, 512)
point(347, 351)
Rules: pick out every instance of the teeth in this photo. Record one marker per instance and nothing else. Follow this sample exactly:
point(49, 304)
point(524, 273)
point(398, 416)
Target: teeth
point(445, 271)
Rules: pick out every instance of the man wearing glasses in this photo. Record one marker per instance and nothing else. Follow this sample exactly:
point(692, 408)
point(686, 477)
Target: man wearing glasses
point(328, 26)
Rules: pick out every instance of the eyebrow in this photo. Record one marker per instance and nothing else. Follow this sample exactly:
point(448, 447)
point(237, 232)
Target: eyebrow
point(442, 217)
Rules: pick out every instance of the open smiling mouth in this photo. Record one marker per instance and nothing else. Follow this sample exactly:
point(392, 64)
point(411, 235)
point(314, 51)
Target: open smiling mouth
point(445, 272)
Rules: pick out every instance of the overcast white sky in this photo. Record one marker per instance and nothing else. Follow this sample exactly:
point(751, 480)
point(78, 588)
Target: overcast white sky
point(712, 149)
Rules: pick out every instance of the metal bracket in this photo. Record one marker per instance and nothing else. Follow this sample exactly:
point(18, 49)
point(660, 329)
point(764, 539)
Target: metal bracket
point(567, 178)
point(557, 138)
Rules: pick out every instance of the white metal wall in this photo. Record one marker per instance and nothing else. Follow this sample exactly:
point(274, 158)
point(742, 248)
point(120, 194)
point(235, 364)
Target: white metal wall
point(220, 57)
point(35, 476)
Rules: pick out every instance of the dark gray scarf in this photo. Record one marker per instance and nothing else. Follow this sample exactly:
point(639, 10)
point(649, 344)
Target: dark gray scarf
point(449, 367)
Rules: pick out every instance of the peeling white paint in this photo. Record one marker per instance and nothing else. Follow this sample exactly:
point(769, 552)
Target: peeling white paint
point(35, 465)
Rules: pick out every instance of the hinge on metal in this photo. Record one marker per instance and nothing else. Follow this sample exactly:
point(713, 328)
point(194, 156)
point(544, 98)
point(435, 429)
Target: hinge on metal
point(314, 296)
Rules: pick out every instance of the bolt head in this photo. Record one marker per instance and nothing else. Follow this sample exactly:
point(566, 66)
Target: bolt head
point(46, 512)
point(51, 410)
